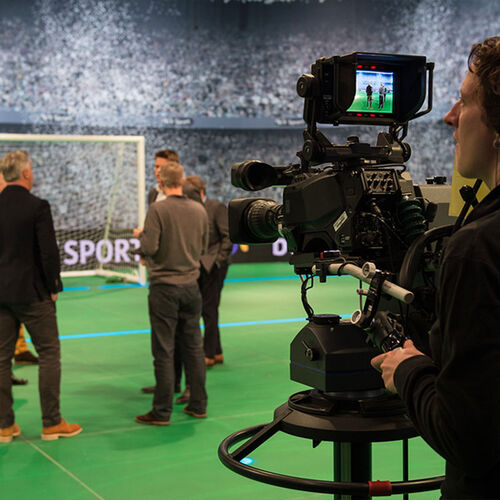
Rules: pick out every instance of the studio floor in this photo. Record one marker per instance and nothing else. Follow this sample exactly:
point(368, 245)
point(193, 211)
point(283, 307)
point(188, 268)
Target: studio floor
point(106, 360)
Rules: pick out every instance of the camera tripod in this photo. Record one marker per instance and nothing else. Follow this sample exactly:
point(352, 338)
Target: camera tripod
point(328, 355)
point(352, 422)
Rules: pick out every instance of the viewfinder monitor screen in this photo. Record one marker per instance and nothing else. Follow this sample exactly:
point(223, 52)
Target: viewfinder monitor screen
point(374, 92)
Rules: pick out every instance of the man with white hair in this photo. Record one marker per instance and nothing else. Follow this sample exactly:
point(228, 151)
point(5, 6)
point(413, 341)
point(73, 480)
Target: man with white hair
point(21, 346)
point(29, 285)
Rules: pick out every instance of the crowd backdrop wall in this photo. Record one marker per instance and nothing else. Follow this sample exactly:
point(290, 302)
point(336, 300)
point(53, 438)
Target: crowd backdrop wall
point(215, 79)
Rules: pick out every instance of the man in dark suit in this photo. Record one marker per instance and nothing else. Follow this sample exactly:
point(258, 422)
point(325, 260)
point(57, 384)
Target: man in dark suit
point(161, 158)
point(13, 378)
point(214, 266)
point(29, 286)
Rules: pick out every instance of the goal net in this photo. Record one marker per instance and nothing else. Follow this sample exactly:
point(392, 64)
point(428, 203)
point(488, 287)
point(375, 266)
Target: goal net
point(96, 188)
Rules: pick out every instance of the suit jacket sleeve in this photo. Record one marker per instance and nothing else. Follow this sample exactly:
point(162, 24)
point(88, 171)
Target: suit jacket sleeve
point(222, 226)
point(47, 246)
point(152, 195)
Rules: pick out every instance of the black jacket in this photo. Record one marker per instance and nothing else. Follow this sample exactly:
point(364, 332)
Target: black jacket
point(454, 398)
point(152, 195)
point(29, 256)
point(219, 244)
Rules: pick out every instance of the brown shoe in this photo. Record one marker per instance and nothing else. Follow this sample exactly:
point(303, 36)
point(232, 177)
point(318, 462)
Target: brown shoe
point(25, 358)
point(7, 433)
point(209, 362)
point(219, 359)
point(184, 397)
point(150, 419)
point(195, 413)
point(17, 381)
point(63, 429)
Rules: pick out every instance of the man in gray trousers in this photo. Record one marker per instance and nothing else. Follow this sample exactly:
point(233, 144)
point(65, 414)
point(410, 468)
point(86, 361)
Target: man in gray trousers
point(174, 237)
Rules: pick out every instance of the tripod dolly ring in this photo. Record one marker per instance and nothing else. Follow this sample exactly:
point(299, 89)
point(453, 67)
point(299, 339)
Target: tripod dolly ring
point(315, 485)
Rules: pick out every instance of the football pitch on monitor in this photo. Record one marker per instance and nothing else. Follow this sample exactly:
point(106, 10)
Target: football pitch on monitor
point(360, 104)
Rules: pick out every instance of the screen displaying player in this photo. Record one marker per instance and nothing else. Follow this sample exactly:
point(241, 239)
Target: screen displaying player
point(374, 92)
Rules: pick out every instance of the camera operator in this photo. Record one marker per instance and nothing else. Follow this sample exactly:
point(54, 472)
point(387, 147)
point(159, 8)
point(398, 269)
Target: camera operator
point(453, 396)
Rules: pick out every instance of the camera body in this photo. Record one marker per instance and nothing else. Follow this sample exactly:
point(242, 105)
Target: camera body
point(355, 201)
point(359, 211)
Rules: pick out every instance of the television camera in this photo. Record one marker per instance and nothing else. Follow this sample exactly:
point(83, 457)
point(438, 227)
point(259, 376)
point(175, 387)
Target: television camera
point(349, 209)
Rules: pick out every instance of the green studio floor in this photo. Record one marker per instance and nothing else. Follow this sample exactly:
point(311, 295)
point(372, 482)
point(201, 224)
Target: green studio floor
point(116, 458)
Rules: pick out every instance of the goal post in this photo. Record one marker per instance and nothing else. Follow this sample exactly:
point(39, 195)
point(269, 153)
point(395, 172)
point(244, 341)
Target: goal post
point(96, 187)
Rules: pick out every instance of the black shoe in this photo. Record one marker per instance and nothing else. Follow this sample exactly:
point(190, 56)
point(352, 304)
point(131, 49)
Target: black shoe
point(25, 358)
point(149, 390)
point(17, 381)
point(150, 419)
point(184, 397)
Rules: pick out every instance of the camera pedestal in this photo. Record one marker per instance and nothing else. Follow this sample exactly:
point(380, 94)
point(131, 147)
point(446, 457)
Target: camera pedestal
point(310, 415)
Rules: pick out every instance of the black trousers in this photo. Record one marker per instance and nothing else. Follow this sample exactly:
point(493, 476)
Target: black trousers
point(174, 310)
point(211, 284)
point(41, 323)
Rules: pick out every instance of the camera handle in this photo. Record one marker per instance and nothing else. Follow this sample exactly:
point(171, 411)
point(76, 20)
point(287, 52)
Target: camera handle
point(365, 274)
point(363, 318)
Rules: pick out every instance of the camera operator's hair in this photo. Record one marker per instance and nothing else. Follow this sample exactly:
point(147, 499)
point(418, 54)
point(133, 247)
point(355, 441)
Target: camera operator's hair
point(171, 174)
point(13, 164)
point(484, 62)
point(197, 182)
point(167, 154)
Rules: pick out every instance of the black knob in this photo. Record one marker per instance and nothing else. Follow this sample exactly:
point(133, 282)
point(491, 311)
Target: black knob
point(305, 85)
point(312, 151)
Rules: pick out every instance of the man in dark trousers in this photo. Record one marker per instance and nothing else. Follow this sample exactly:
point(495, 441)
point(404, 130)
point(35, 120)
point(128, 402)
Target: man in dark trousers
point(214, 266)
point(13, 378)
point(453, 397)
point(29, 285)
point(369, 96)
point(174, 237)
point(162, 157)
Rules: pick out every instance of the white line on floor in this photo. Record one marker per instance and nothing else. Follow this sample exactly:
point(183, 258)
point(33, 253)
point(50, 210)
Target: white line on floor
point(70, 474)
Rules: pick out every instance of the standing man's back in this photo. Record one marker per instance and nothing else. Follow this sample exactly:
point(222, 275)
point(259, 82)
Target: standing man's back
point(29, 257)
point(174, 237)
point(29, 285)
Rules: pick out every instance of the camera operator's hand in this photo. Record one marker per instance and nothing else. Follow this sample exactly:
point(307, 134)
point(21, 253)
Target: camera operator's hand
point(388, 362)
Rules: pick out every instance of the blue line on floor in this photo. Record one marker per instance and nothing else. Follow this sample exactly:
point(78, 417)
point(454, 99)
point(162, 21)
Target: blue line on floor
point(222, 325)
point(136, 285)
point(128, 285)
point(103, 334)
